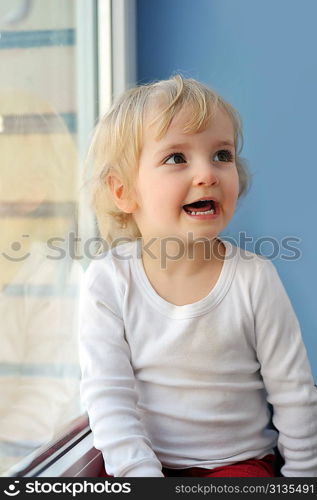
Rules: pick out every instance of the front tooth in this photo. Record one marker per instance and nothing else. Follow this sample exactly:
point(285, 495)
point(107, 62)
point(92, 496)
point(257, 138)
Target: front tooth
point(203, 213)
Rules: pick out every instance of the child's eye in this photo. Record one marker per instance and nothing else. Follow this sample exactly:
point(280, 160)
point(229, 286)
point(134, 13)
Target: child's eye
point(176, 158)
point(224, 155)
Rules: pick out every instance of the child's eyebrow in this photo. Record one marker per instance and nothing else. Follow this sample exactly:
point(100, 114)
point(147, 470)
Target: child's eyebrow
point(225, 143)
point(169, 147)
point(185, 145)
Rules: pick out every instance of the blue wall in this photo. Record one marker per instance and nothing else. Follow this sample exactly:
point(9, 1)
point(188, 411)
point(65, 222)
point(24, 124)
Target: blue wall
point(261, 56)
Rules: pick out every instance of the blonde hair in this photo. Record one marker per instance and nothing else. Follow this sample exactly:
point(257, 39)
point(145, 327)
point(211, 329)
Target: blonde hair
point(117, 143)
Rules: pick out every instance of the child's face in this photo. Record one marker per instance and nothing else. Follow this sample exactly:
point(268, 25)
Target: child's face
point(180, 169)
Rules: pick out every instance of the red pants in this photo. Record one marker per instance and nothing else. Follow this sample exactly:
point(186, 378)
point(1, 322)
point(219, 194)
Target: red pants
point(249, 468)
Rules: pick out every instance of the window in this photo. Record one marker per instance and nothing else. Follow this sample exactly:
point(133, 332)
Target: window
point(48, 107)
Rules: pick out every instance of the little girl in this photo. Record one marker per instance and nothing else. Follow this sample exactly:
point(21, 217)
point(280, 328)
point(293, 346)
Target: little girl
point(185, 338)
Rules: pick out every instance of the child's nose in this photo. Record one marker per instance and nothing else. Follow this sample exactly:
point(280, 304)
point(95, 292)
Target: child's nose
point(206, 174)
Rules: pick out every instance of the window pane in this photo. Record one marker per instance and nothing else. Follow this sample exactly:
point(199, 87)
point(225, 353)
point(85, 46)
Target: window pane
point(39, 194)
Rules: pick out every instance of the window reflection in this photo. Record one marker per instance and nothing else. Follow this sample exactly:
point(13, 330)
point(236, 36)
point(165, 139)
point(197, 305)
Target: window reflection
point(48, 92)
point(39, 374)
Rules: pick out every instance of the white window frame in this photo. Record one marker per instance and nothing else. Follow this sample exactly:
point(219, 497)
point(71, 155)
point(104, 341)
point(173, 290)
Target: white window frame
point(123, 45)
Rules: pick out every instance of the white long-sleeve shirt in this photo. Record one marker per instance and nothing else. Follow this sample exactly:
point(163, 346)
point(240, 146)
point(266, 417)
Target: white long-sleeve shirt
point(188, 386)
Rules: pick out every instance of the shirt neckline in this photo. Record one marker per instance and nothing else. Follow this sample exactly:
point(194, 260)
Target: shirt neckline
point(215, 295)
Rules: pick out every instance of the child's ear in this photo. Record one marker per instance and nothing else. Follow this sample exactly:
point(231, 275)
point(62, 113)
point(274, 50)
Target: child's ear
point(119, 194)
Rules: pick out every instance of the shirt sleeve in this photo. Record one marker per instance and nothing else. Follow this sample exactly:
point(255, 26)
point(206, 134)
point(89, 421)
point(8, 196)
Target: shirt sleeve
point(286, 373)
point(107, 386)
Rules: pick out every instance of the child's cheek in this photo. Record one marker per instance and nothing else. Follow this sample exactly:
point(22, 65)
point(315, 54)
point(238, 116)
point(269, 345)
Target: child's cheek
point(235, 186)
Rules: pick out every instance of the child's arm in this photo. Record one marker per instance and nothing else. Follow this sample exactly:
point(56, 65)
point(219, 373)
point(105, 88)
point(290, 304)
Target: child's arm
point(107, 385)
point(286, 373)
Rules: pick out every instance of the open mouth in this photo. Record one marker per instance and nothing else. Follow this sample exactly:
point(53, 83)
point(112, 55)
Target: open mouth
point(202, 207)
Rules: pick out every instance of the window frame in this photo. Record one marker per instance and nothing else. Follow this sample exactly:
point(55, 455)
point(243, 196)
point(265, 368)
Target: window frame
point(71, 454)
